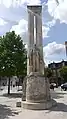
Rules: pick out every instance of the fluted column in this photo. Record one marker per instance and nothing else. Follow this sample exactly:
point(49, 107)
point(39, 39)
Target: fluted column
point(38, 62)
point(39, 40)
point(38, 19)
point(30, 30)
point(30, 39)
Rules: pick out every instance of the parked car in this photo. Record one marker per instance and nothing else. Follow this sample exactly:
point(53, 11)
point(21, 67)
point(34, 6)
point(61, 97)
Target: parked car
point(54, 84)
point(64, 86)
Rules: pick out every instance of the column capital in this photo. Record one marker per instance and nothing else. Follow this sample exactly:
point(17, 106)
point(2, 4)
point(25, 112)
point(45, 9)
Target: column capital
point(35, 9)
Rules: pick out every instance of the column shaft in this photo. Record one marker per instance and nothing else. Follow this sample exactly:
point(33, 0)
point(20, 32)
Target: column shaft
point(39, 33)
point(30, 30)
point(30, 39)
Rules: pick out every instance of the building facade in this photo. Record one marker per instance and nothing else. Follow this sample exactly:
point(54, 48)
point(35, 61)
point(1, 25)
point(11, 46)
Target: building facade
point(55, 67)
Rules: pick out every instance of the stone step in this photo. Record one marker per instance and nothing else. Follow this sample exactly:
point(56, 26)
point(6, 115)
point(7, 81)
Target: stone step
point(38, 106)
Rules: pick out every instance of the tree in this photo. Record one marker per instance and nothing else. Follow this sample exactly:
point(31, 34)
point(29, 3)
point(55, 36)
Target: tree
point(47, 72)
point(13, 56)
point(63, 73)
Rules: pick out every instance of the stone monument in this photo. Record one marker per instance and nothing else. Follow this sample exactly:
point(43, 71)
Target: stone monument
point(36, 90)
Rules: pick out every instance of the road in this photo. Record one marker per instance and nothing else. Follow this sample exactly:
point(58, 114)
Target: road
point(8, 107)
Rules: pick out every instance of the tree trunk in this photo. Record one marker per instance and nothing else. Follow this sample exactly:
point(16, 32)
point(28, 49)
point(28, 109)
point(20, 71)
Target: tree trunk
point(56, 78)
point(9, 86)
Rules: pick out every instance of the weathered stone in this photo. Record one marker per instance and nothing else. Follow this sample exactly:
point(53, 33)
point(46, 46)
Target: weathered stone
point(24, 89)
point(39, 105)
point(36, 90)
point(35, 50)
point(18, 104)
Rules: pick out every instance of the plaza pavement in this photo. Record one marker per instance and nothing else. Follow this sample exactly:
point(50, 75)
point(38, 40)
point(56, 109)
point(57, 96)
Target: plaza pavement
point(8, 109)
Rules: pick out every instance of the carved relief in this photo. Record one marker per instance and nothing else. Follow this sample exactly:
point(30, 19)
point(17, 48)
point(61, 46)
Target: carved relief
point(34, 60)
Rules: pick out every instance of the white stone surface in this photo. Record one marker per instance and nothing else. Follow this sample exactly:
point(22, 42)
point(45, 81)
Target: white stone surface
point(36, 90)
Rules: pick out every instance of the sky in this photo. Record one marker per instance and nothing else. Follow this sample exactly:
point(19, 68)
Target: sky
point(14, 16)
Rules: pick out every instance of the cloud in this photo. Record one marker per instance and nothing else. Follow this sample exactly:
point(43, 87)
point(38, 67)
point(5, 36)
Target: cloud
point(52, 5)
point(51, 23)
point(53, 52)
point(45, 31)
point(46, 28)
point(58, 11)
point(49, 61)
point(21, 27)
point(32, 2)
point(15, 12)
point(46, 61)
point(17, 3)
point(22, 30)
point(53, 48)
point(2, 22)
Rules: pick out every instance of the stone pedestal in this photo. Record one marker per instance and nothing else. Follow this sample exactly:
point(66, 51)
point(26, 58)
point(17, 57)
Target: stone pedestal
point(39, 106)
point(37, 92)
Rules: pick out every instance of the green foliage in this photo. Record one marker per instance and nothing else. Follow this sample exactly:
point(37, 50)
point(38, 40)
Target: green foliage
point(63, 73)
point(47, 72)
point(13, 56)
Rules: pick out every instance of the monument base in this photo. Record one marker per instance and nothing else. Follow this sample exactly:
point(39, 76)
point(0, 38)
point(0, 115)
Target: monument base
point(37, 93)
point(39, 106)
